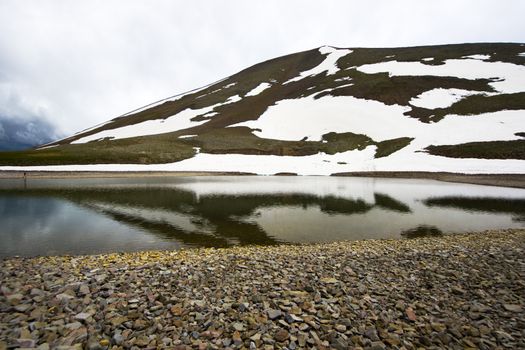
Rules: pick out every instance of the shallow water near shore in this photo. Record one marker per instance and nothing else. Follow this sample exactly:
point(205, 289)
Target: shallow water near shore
point(97, 215)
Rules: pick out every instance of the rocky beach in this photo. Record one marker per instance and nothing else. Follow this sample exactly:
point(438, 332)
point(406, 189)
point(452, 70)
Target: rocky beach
point(454, 291)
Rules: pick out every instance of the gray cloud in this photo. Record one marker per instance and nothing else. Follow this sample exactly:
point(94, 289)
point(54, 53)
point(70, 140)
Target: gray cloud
point(79, 63)
point(23, 124)
point(17, 134)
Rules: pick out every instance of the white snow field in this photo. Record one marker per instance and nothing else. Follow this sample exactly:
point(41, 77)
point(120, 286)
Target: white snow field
point(328, 65)
point(512, 76)
point(440, 98)
point(179, 121)
point(478, 57)
point(318, 164)
point(258, 89)
point(311, 118)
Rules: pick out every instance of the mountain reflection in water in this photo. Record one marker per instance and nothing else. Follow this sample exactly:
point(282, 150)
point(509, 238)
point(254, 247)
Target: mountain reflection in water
point(98, 215)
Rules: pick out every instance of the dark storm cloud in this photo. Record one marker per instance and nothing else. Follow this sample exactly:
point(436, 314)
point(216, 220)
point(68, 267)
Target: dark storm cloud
point(79, 63)
point(22, 125)
point(17, 134)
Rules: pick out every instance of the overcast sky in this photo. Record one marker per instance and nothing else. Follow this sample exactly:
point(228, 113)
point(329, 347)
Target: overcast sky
point(72, 64)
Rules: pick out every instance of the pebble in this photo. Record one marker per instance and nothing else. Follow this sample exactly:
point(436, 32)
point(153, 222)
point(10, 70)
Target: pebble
point(273, 314)
point(513, 307)
point(281, 335)
point(453, 291)
point(83, 316)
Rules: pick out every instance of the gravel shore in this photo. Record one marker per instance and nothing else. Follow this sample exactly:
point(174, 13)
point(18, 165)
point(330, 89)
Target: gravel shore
point(502, 180)
point(457, 291)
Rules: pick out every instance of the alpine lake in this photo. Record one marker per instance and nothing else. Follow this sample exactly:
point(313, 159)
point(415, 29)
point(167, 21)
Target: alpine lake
point(100, 215)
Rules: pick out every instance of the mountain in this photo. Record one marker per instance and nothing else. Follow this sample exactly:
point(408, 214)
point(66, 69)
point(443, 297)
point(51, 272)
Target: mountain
point(457, 108)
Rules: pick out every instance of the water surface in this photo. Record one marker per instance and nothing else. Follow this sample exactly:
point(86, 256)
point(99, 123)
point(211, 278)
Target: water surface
point(84, 216)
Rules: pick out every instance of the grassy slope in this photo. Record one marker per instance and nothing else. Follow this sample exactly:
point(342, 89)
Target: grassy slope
point(139, 150)
point(213, 137)
point(514, 149)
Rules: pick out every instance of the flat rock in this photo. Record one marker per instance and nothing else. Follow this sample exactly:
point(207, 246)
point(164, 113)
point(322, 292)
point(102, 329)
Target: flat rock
point(513, 307)
point(273, 314)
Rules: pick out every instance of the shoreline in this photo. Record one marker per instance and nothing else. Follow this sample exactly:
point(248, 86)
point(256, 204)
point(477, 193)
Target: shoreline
point(454, 291)
point(501, 180)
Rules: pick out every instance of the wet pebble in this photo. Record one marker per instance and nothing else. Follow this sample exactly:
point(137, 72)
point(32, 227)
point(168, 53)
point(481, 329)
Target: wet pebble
point(455, 291)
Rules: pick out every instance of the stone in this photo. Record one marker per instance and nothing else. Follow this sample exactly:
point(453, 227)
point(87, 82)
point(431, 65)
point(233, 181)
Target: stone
point(513, 307)
point(83, 316)
point(238, 326)
point(371, 333)
point(458, 290)
point(117, 321)
point(14, 299)
point(25, 343)
point(281, 335)
point(438, 327)
point(73, 325)
point(329, 280)
point(176, 310)
point(340, 328)
point(273, 314)
point(83, 289)
point(411, 315)
point(64, 297)
point(117, 338)
point(23, 307)
point(236, 337)
point(377, 345)
point(339, 344)
point(76, 336)
point(139, 324)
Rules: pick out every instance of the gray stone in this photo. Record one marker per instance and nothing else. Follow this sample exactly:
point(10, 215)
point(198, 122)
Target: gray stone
point(273, 314)
point(371, 334)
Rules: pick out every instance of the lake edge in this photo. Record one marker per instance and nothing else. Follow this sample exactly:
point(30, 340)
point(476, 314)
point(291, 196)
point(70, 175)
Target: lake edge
point(500, 180)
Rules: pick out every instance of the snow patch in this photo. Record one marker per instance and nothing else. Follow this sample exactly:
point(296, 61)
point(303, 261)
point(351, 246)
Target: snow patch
point(312, 118)
point(258, 89)
point(512, 76)
point(329, 65)
point(233, 99)
point(478, 57)
point(342, 86)
point(179, 121)
point(440, 98)
point(522, 54)
point(426, 59)
point(317, 164)
point(46, 147)
point(187, 136)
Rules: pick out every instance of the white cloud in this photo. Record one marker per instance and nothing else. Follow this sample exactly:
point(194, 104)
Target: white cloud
point(80, 63)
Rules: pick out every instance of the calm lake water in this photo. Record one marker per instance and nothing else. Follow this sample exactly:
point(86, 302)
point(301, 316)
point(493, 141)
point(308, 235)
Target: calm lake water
point(81, 216)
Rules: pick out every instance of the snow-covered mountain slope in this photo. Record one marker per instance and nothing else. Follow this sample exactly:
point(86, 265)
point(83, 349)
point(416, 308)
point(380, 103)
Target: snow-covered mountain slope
point(456, 108)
